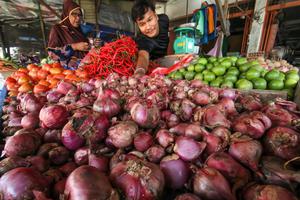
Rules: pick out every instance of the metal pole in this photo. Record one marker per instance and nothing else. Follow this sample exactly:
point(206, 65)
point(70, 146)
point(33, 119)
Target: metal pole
point(42, 24)
point(187, 11)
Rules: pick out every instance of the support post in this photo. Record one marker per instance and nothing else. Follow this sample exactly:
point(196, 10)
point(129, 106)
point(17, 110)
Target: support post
point(258, 21)
point(42, 24)
point(5, 49)
point(223, 18)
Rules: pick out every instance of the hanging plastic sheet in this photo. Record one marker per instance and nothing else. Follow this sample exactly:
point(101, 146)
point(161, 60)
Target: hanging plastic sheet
point(216, 51)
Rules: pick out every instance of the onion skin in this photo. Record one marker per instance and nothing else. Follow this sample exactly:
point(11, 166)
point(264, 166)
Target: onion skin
point(30, 103)
point(278, 115)
point(252, 127)
point(52, 136)
point(176, 171)
point(18, 183)
point(65, 87)
point(210, 184)
point(68, 168)
point(138, 179)
point(282, 142)
point(54, 96)
point(86, 183)
point(59, 188)
point(268, 192)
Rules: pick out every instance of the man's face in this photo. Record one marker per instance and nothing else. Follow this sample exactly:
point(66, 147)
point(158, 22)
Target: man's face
point(149, 24)
point(75, 18)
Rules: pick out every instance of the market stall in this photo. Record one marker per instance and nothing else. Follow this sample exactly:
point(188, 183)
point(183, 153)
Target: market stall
point(195, 127)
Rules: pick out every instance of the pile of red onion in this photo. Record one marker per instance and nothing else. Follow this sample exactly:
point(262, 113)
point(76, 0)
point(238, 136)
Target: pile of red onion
point(148, 138)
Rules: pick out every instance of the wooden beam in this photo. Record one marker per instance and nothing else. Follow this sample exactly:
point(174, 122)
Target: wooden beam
point(240, 14)
point(283, 5)
point(49, 8)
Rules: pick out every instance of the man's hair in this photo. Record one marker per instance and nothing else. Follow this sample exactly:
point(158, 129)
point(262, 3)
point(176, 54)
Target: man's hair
point(140, 7)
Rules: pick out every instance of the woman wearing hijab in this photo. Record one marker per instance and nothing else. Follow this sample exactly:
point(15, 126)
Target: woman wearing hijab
point(67, 43)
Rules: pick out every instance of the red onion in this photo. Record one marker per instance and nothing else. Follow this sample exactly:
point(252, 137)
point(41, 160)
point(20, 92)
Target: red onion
point(164, 138)
point(275, 172)
point(81, 156)
point(282, 142)
point(101, 125)
point(87, 182)
point(38, 163)
point(179, 129)
point(54, 96)
point(72, 96)
point(105, 104)
point(22, 144)
point(246, 150)
point(38, 195)
point(196, 83)
point(58, 155)
point(188, 149)
point(45, 148)
point(59, 188)
point(15, 122)
point(155, 153)
point(29, 103)
point(143, 141)
point(228, 93)
point(250, 102)
point(213, 117)
point(268, 192)
point(18, 183)
point(138, 179)
point(210, 184)
point(9, 108)
point(122, 134)
point(65, 87)
point(213, 144)
point(76, 129)
point(228, 106)
point(67, 168)
point(183, 108)
point(247, 125)
point(53, 175)
point(54, 116)
point(30, 121)
point(278, 115)
point(187, 196)
point(12, 162)
point(52, 136)
point(201, 98)
point(87, 87)
point(98, 161)
point(175, 170)
point(231, 169)
point(146, 116)
point(263, 118)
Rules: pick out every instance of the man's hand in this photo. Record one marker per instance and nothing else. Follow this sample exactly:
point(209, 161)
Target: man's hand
point(80, 46)
point(139, 72)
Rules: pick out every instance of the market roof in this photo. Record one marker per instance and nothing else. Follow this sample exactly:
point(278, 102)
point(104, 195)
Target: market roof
point(27, 11)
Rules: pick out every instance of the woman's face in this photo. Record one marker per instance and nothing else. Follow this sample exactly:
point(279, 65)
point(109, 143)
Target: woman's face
point(149, 24)
point(75, 18)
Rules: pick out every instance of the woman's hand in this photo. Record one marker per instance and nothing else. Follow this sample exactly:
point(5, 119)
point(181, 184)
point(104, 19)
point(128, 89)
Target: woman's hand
point(80, 46)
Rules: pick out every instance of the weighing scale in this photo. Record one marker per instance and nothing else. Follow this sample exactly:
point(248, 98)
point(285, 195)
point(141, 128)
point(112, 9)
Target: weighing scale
point(185, 39)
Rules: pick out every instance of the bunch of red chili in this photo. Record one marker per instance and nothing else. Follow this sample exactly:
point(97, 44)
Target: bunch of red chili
point(118, 56)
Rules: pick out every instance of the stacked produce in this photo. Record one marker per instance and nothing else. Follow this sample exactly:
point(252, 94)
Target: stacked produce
point(148, 138)
point(41, 79)
point(233, 72)
point(281, 65)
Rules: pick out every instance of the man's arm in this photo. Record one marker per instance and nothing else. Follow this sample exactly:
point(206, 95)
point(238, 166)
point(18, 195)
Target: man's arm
point(142, 62)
